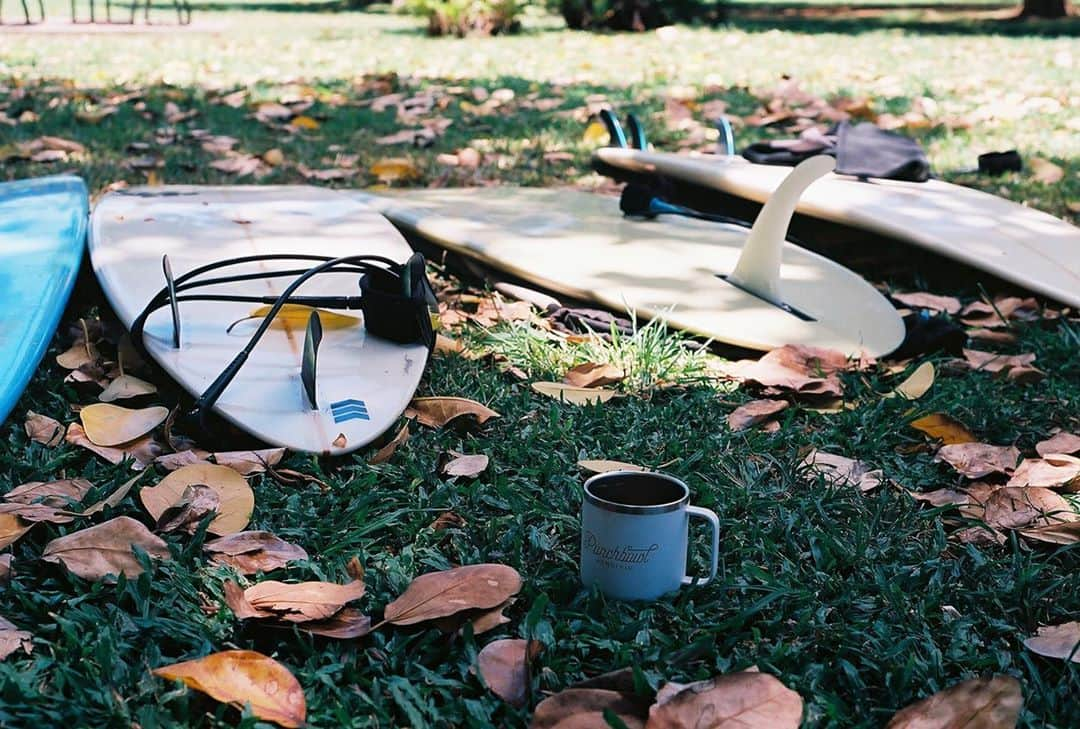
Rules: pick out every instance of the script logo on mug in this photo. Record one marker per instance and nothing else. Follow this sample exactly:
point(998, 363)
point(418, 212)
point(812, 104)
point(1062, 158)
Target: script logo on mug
point(635, 530)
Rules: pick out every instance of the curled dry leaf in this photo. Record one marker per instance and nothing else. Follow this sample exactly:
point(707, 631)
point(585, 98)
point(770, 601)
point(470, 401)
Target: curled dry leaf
point(981, 703)
point(5, 569)
point(1013, 508)
point(254, 551)
point(754, 413)
point(197, 502)
point(931, 302)
point(143, 450)
point(345, 625)
point(393, 169)
point(803, 370)
point(43, 429)
point(504, 666)
point(439, 594)
point(604, 466)
point(13, 639)
point(1057, 641)
point(591, 374)
point(1051, 471)
point(387, 452)
point(917, 384)
point(941, 497)
point(80, 354)
point(1063, 533)
point(125, 387)
point(303, 601)
point(112, 425)
point(975, 460)
point(105, 550)
point(1000, 313)
point(584, 708)
point(464, 466)
point(994, 363)
point(113, 499)
point(235, 496)
point(1065, 443)
point(245, 678)
point(60, 494)
point(573, 395)
point(33, 513)
point(747, 700)
point(435, 412)
point(945, 428)
point(842, 471)
point(248, 462)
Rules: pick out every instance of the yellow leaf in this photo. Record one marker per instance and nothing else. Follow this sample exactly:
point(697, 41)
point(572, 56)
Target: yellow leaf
point(939, 425)
point(392, 169)
point(112, 425)
point(273, 157)
point(126, 386)
point(1046, 171)
point(917, 384)
point(605, 466)
point(573, 395)
point(596, 134)
point(245, 678)
point(236, 498)
point(295, 316)
point(304, 122)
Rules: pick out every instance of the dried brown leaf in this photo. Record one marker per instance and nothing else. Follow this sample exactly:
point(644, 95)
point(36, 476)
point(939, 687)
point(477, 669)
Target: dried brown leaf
point(60, 494)
point(13, 639)
point(573, 395)
point(387, 452)
point(1052, 471)
point(944, 428)
point(435, 412)
point(931, 302)
point(303, 601)
point(237, 501)
point(591, 374)
point(1057, 641)
point(125, 387)
point(975, 460)
point(43, 429)
point(105, 550)
point(842, 471)
point(254, 551)
point(111, 425)
point(754, 413)
point(583, 708)
point(1014, 508)
point(1066, 443)
point(248, 462)
point(504, 666)
point(747, 700)
point(438, 594)
point(345, 625)
point(465, 466)
point(197, 502)
point(981, 703)
point(604, 466)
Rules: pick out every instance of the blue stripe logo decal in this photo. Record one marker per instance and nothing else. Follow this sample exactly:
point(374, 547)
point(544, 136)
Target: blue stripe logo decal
point(345, 410)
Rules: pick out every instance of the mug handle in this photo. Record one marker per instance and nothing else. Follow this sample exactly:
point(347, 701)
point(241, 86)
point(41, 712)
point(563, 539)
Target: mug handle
point(709, 516)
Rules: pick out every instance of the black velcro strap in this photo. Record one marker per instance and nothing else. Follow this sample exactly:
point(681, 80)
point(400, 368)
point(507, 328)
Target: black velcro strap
point(396, 306)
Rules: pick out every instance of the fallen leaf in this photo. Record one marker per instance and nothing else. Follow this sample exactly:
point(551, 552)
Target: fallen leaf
point(241, 165)
point(438, 594)
point(1045, 171)
point(326, 175)
point(302, 602)
point(43, 429)
point(387, 452)
point(80, 354)
point(143, 450)
point(591, 374)
point(754, 413)
point(113, 500)
point(245, 678)
point(197, 502)
point(248, 462)
point(295, 317)
point(917, 384)
point(345, 625)
point(33, 513)
point(1063, 533)
point(585, 708)
point(435, 412)
point(106, 549)
point(504, 666)
point(980, 535)
point(1025, 374)
point(173, 461)
point(604, 466)
point(931, 302)
point(273, 157)
point(6, 569)
point(944, 428)
point(236, 498)
point(975, 460)
point(111, 425)
point(59, 494)
point(1057, 641)
point(13, 639)
point(573, 395)
point(464, 466)
point(1013, 508)
point(304, 122)
point(981, 703)
point(1000, 312)
point(126, 386)
point(842, 471)
point(393, 169)
point(802, 370)
point(254, 551)
point(1066, 443)
point(596, 135)
point(941, 497)
point(1052, 471)
point(12, 528)
point(95, 114)
point(747, 700)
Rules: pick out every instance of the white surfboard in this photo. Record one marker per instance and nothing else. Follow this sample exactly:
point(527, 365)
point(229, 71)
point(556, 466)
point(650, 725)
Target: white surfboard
point(580, 245)
point(1015, 243)
point(363, 382)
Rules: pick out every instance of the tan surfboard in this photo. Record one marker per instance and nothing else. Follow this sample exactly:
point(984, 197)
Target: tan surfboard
point(747, 288)
point(1015, 243)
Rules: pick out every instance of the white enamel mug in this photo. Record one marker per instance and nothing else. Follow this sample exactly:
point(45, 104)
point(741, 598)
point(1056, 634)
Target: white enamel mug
point(635, 529)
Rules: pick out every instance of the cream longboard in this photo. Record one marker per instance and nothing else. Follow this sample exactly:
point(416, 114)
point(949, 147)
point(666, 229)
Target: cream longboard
point(363, 383)
point(1017, 244)
point(750, 289)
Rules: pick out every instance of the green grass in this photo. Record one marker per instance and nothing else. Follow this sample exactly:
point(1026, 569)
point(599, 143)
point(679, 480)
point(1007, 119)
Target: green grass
point(840, 595)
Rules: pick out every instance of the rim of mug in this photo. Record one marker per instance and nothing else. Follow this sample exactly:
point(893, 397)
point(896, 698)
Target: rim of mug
point(631, 508)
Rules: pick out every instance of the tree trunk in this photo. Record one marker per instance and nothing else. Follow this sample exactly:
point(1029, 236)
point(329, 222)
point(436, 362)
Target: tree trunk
point(1044, 9)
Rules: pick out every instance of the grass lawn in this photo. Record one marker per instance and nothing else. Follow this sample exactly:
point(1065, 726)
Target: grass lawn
point(861, 603)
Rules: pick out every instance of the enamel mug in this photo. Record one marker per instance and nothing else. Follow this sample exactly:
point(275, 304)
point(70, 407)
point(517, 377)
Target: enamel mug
point(635, 529)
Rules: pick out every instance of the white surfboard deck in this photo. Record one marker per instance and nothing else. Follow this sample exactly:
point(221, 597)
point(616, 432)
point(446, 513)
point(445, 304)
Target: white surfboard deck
point(580, 245)
point(364, 383)
point(1026, 247)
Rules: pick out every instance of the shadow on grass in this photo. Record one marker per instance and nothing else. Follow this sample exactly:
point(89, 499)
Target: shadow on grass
point(917, 19)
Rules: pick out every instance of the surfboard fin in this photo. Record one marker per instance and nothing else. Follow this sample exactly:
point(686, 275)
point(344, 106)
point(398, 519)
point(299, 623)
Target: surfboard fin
point(616, 134)
point(758, 268)
point(174, 307)
point(309, 363)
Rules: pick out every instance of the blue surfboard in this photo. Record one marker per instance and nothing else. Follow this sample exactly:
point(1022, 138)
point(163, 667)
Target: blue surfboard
point(42, 232)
